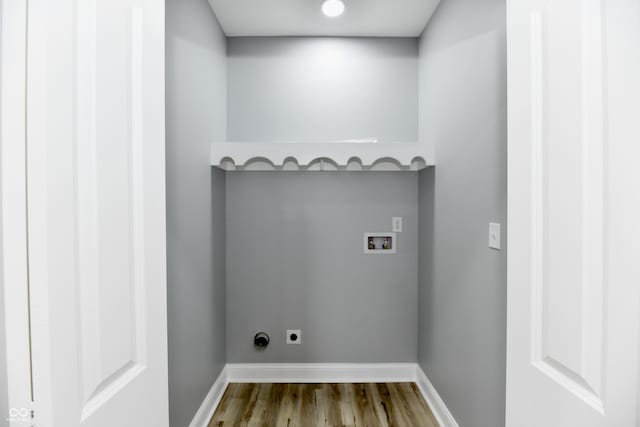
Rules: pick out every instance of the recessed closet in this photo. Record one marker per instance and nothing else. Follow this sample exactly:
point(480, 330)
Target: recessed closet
point(288, 146)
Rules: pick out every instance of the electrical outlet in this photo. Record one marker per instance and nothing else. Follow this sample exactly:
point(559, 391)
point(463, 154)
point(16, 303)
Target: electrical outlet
point(396, 224)
point(294, 336)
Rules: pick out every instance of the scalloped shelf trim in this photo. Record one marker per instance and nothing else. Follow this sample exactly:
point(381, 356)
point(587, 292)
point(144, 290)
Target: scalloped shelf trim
point(322, 156)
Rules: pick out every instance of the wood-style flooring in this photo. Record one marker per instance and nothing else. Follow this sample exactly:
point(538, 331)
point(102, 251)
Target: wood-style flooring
point(353, 405)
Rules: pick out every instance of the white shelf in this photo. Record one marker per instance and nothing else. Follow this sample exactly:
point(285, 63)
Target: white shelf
point(321, 156)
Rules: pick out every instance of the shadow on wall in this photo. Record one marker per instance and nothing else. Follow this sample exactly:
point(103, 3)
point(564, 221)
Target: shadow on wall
point(426, 200)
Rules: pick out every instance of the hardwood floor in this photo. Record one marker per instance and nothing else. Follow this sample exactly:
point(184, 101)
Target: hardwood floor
point(289, 405)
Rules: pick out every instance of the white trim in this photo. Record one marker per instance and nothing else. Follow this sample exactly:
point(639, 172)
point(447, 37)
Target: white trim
point(211, 401)
point(321, 372)
point(435, 402)
point(322, 156)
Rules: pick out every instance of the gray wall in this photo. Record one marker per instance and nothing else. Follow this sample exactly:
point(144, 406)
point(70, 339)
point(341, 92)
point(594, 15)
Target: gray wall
point(462, 320)
point(195, 116)
point(295, 260)
point(322, 89)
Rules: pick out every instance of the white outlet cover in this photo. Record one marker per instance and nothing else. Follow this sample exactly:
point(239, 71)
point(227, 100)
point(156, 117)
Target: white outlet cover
point(396, 224)
point(494, 236)
point(298, 332)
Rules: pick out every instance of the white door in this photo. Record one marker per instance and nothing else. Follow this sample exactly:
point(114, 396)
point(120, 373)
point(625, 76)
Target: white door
point(574, 213)
point(96, 212)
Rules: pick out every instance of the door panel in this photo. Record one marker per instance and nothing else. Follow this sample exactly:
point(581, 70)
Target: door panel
point(109, 211)
point(567, 162)
point(569, 326)
point(96, 187)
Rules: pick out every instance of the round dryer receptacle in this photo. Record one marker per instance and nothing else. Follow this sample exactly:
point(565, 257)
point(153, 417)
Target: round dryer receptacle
point(261, 340)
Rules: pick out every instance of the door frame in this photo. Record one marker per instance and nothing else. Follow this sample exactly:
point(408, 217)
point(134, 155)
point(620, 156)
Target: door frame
point(13, 199)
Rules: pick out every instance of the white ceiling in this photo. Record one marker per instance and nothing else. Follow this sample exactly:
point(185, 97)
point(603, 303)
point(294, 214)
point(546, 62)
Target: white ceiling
point(362, 18)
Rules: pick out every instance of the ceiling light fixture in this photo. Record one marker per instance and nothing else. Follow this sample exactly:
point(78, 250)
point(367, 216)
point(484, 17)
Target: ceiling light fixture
point(333, 8)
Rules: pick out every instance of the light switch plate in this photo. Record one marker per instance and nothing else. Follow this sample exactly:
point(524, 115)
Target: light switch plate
point(396, 224)
point(494, 236)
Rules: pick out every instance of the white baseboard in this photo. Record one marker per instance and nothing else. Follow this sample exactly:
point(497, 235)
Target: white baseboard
point(211, 401)
point(439, 409)
point(321, 372)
